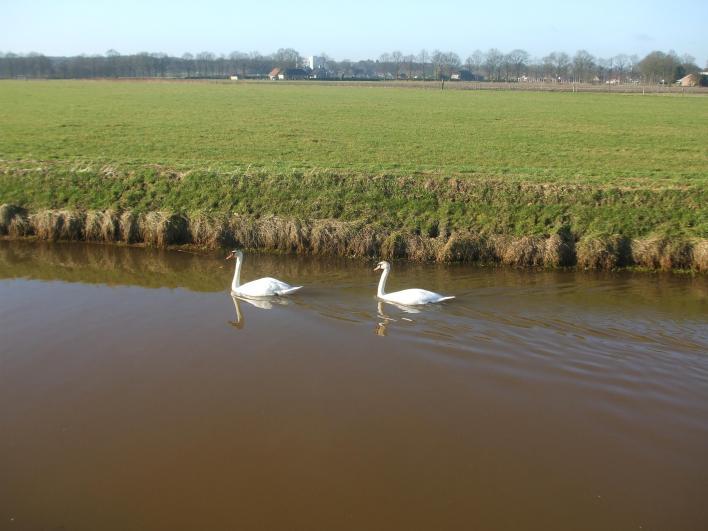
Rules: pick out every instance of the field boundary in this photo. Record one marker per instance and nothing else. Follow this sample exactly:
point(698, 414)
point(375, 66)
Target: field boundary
point(628, 88)
point(623, 88)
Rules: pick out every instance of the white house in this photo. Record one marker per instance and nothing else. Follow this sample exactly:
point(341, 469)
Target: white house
point(315, 62)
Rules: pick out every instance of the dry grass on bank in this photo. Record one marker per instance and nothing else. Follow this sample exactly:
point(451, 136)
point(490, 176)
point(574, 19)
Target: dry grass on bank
point(338, 238)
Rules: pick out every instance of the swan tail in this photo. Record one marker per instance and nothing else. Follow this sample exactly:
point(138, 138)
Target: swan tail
point(288, 291)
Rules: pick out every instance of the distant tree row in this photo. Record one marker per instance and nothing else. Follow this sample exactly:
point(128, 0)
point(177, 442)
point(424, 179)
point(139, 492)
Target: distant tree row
point(517, 65)
point(492, 65)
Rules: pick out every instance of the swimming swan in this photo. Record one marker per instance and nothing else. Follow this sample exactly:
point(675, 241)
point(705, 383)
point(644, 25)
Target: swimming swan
point(407, 297)
point(263, 287)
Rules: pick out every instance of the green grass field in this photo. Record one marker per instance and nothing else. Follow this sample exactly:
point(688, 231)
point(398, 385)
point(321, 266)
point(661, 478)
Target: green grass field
point(427, 161)
point(539, 136)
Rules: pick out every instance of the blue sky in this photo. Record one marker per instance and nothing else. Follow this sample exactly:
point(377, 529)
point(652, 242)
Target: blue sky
point(356, 29)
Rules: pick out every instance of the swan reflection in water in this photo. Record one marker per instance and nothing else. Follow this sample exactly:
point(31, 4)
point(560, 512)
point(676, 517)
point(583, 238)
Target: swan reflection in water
point(382, 326)
point(263, 304)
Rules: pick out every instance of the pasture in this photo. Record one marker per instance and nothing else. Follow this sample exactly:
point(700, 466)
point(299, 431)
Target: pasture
point(524, 136)
point(428, 163)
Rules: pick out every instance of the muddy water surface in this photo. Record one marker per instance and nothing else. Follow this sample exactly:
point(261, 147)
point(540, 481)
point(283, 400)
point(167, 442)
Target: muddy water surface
point(135, 394)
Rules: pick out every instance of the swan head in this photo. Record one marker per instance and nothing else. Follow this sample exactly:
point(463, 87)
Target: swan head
point(383, 265)
point(235, 254)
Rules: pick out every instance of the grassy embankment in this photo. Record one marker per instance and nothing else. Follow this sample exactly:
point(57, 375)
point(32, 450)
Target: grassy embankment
point(525, 179)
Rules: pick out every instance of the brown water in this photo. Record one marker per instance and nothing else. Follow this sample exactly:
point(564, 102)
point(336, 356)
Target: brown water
point(133, 397)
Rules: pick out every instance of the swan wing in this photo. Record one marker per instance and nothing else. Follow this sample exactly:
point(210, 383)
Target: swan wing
point(414, 297)
point(265, 287)
point(288, 290)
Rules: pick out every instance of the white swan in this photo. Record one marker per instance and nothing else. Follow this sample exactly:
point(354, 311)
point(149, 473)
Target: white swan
point(263, 287)
point(406, 297)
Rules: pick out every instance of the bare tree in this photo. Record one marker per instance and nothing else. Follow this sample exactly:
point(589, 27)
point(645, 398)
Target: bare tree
point(469, 65)
point(558, 63)
point(188, 62)
point(436, 59)
point(159, 63)
point(517, 60)
point(452, 62)
point(659, 67)
point(409, 61)
point(287, 58)
point(475, 62)
point(204, 60)
point(444, 63)
point(493, 64)
point(238, 62)
point(326, 60)
point(622, 64)
point(583, 64)
point(396, 59)
point(423, 59)
point(113, 58)
point(688, 59)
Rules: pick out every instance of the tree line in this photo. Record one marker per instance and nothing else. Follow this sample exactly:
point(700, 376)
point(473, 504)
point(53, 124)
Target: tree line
point(492, 65)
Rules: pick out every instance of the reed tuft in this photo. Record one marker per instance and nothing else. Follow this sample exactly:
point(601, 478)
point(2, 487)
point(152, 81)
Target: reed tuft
point(56, 225)
point(102, 226)
point(603, 252)
point(332, 238)
point(422, 248)
point(526, 251)
point(129, 227)
point(209, 232)
point(663, 253)
point(393, 246)
point(164, 228)
point(464, 247)
point(13, 220)
point(700, 256)
point(559, 251)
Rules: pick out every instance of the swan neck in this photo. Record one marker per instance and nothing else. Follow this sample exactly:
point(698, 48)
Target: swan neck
point(236, 282)
point(382, 283)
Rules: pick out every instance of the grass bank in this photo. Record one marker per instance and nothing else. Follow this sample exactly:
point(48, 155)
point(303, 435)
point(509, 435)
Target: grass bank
point(426, 219)
point(594, 180)
point(355, 239)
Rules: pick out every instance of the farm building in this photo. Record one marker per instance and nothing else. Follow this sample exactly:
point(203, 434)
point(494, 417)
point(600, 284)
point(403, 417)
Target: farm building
point(314, 62)
point(464, 75)
point(691, 80)
point(292, 73)
point(287, 73)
